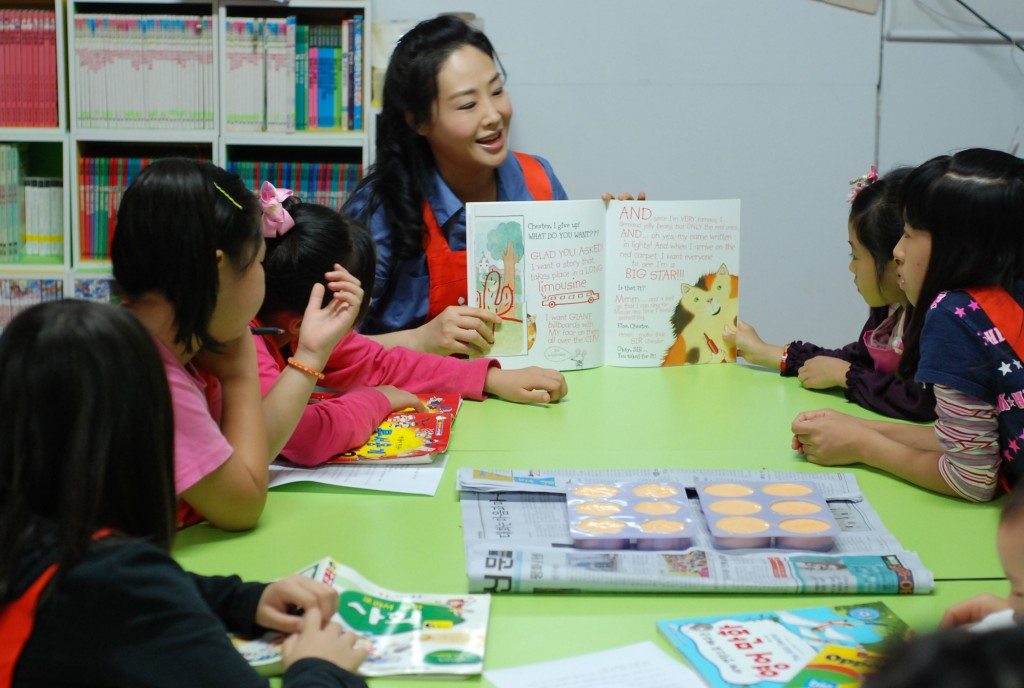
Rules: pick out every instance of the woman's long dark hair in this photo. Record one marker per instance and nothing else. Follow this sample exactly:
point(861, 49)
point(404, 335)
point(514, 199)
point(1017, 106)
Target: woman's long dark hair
point(405, 166)
point(972, 205)
point(170, 224)
point(86, 433)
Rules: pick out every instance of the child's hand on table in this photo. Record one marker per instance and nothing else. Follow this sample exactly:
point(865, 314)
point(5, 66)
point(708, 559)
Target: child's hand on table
point(326, 641)
point(528, 385)
point(823, 372)
point(401, 400)
point(828, 438)
point(279, 601)
point(973, 610)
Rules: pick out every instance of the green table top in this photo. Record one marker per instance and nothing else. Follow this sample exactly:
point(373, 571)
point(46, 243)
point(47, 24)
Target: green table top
point(714, 416)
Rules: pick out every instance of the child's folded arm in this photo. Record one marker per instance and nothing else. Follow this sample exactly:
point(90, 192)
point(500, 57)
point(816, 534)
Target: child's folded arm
point(359, 360)
point(887, 394)
point(336, 425)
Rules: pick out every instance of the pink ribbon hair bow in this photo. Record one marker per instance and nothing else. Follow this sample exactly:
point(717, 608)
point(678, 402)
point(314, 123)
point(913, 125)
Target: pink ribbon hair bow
point(276, 220)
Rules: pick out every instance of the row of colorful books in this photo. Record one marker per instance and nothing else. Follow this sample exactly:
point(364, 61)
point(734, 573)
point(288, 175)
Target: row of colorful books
point(18, 294)
point(28, 68)
point(151, 71)
point(43, 233)
point(283, 76)
point(328, 184)
point(31, 210)
point(11, 201)
point(101, 182)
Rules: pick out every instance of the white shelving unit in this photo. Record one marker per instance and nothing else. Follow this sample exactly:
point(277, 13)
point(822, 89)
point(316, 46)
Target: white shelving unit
point(44, 143)
point(216, 144)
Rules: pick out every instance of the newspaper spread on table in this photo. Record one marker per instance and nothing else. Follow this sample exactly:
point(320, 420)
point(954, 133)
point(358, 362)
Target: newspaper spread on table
point(517, 540)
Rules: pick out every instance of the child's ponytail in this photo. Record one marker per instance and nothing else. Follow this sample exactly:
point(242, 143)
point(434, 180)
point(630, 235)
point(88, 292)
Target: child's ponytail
point(298, 258)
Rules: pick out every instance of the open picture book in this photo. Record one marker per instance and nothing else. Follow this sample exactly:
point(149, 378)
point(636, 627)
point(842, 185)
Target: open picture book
point(408, 633)
point(408, 436)
point(579, 284)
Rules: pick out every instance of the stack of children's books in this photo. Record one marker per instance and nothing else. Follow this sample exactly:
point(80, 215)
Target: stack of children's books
point(408, 633)
point(816, 647)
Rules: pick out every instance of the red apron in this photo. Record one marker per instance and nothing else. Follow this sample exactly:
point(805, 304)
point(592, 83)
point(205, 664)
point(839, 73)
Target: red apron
point(19, 617)
point(447, 268)
point(1006, 314)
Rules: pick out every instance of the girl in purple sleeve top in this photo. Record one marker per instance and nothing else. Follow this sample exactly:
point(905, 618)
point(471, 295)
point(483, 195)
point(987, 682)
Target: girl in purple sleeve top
point(866, 368)
point(312, 244)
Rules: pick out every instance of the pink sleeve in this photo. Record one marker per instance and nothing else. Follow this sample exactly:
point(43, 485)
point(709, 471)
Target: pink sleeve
point(327, 427)
point(199, 446)
point(266, 363)
point(361, 361)
point(336, 425)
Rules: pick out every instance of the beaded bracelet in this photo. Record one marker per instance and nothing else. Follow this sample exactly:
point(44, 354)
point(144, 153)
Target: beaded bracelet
point(299, 365)
point(783, 361)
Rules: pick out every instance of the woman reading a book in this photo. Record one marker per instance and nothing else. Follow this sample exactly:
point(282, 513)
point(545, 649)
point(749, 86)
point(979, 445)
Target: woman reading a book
point(307, 243)
point(442, 142)
point(89, 593)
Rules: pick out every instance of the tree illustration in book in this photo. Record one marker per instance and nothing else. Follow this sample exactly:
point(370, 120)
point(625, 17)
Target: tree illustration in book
point(498, 252)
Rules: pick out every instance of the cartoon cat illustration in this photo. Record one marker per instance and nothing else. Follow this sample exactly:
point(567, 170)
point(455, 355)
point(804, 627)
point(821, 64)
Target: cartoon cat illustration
point(700, 317)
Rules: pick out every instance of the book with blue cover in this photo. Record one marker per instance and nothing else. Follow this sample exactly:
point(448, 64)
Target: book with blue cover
point(768, 649)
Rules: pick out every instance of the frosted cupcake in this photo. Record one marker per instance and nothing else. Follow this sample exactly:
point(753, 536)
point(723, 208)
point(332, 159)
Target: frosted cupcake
point(663, 534)
point(734, 507)
point(806, 533)
point(735, 532)
point(727, 490)
point(657, 508)
point(656, 490)
point(787, 489)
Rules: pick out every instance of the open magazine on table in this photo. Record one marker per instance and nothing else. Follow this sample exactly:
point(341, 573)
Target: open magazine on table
point(409, 633)
point(408, 436)
point(517, 539)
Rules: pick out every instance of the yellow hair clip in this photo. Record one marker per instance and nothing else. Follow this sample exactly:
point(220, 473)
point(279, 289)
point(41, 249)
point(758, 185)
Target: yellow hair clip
point(227, 195)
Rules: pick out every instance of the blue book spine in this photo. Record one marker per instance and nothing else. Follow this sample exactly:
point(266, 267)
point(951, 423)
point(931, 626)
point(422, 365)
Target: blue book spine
point(325, 94)
point(356, 103)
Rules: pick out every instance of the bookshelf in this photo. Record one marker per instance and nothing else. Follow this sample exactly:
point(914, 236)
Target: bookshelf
point(118, 108)
point(34, 155)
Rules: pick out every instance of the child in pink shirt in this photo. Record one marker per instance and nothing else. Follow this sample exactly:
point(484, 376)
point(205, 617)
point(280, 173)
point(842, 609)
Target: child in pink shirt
point(368, 380)
point(187, 257)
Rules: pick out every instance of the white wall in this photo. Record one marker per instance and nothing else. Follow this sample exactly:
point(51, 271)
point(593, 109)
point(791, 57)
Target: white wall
point(940, 97)
point(771, 102)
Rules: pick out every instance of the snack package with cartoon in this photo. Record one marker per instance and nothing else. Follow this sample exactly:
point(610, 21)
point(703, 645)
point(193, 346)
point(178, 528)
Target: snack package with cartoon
point(408, 633)
point(409, 437)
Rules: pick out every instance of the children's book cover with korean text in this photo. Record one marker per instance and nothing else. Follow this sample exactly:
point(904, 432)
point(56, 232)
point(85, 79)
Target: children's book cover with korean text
point(579, 284)
point(409, 437)
point(769, 649)
point(408, 633)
